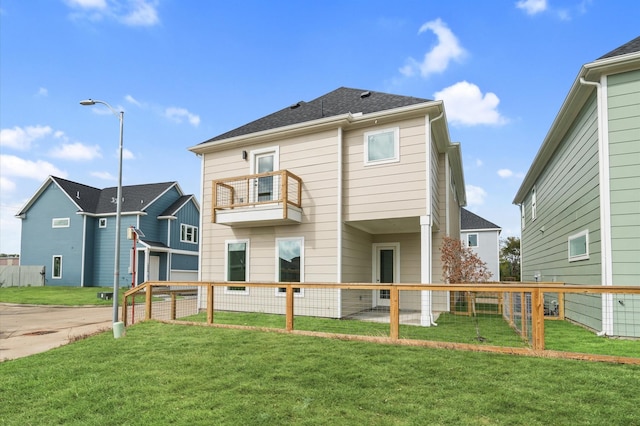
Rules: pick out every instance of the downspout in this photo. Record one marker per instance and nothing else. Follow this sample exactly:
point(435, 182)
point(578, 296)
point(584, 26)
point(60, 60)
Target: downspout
point(339, 221)
point(427, 237)
point(201, 298)
point(84, 249)
point(605, 204)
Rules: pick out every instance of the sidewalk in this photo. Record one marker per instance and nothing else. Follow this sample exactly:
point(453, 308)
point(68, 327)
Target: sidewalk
point(30, 329)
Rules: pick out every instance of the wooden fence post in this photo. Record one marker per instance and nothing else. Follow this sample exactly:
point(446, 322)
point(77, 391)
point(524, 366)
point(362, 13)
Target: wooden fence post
point(210, 288)
point(173, 306)
point(537, 320)
point(148, 301)
point(394, 313)
point(289, 324)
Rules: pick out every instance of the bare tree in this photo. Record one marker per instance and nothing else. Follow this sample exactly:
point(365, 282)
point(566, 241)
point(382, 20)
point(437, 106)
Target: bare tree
point(460, 264)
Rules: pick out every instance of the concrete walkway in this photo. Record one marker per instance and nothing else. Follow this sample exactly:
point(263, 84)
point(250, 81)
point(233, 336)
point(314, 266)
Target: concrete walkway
point(30, 329)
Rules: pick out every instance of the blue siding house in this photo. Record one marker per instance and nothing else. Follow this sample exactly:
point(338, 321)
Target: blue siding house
point(70, 228)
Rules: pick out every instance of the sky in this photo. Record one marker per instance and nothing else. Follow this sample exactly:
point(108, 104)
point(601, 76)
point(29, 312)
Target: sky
point(184, 71)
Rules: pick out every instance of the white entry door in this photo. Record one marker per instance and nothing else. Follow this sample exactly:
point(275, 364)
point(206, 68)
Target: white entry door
point(154, 268)
point(386, 269)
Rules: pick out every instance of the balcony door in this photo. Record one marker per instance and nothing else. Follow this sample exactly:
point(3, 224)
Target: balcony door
point(264, 161)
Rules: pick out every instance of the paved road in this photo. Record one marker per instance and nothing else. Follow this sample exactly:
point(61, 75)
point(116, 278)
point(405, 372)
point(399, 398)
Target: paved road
point(28, 329)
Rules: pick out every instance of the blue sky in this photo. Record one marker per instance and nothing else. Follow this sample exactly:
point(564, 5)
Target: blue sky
point(185, 70)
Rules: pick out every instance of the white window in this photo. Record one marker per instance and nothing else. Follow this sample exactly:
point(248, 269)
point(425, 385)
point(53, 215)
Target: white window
point(56, 268)
point(102, 223)
point(578, 246)
point(60, 222)
point(236, 262)
point(533, 204)
point(382, 146)
point(472, 240)
point(188, 233)
point(290, 263)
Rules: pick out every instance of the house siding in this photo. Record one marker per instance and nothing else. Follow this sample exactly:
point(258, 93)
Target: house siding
point(188, 215)
point(487, 249)
point(564, 210)
point(624, 173)
point(377, 191)
point(153, 230)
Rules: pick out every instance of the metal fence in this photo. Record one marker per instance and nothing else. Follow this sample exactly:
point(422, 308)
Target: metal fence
point(519, 318)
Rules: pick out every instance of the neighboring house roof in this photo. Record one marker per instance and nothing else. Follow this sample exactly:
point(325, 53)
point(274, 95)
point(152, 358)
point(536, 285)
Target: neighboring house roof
point(341, 101)
point(471, 221)
point(173, 209)
point(630, 47)
point(622, 59)
point(96, 201)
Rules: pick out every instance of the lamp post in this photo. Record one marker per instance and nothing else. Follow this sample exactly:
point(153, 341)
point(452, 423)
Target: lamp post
point(116, 267)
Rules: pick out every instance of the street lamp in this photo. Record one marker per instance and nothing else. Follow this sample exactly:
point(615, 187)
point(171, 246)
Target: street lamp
point(116, 267)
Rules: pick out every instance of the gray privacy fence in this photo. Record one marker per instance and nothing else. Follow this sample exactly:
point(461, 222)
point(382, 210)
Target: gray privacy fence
point(21, 276)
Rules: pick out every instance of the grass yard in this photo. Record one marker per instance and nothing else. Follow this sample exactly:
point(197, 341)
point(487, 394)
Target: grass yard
point(178, 374)
point(59, 295)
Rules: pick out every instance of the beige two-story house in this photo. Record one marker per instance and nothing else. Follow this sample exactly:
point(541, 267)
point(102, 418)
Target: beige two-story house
point(354, 186)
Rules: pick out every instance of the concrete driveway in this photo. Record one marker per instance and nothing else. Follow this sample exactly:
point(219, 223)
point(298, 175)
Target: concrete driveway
point(29, 329)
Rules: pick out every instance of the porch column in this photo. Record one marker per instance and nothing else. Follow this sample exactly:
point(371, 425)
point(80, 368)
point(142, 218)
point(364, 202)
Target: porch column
point(426, 305)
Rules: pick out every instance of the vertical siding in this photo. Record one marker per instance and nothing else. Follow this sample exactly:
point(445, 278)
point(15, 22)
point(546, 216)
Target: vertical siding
point(567, 195)
point(188, 215)
point(624, 161)
point(386, 190)
point(154, 229)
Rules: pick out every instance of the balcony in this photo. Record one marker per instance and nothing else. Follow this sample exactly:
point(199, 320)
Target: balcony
point(262, 199)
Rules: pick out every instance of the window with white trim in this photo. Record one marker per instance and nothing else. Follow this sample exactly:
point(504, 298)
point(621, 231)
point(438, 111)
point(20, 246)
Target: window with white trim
point(102, 222)
point(578, 246)
point(236, 263)
point(382, 146)
point(188, 233)
point(522, 221)
point(60, 222)
point(472, 240)
point(533, 204)
point(56, 267)
point(290, 263)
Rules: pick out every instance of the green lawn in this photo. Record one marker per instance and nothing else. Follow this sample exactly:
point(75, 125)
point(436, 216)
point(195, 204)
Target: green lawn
point(54, 295)
point(177, 374)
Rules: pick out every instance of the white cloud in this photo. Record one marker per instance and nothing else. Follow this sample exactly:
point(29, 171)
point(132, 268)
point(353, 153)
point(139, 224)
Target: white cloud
point(19, 167)
point(127, 155)
point(437, 59)
point(42, 92)
point(475, 195)
point(506, 173)
point(178, 114)
point(135, 13)
point(532, 7)
point(479, 162)
point(10, 225)
point(465, 104)
point(132, 100)
point(103, 175)
point(6, 185)
point(21, 138)
point(142, 14)
point(76, 152)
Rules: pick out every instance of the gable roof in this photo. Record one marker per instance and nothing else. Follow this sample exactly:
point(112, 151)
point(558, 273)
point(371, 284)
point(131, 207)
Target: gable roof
point(340, 101)
point(622, 59)
point(470, 220)
point(173, 209)
point(92, 200)
point(630, 47)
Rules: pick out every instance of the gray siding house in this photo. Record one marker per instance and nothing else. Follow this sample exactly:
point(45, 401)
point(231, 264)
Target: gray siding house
point(580, 200)
point(353, 186)
point(483, 237)
point(70, 228)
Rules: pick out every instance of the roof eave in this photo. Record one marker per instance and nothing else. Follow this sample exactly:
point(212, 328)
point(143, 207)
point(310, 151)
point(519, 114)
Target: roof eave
point(573, 103)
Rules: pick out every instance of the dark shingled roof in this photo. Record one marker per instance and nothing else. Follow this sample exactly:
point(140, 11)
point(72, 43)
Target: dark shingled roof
point(341, 101)
point(630, 47)
point(469, 220)
point(101, 201)
point(172, 210)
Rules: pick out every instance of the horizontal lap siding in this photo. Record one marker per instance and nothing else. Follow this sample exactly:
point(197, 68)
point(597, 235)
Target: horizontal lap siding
point(314, 160)
point(385, 190)
point(624, 161)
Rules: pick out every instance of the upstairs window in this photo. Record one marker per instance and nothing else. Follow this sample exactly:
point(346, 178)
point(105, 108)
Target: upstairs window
point(382, 146)
point(102, 223)
point(533, 204)
point(578, 246)
point(60, 222)
point(188, 233)
point(472, 240)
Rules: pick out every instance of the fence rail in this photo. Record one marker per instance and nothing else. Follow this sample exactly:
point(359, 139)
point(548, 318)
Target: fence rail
point(518, 318)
